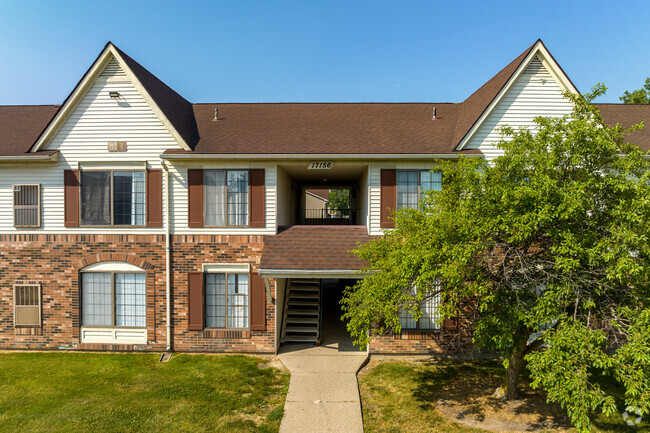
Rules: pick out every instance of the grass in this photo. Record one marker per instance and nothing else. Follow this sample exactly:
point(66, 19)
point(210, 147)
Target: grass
point(399, 396)
point(82, 392)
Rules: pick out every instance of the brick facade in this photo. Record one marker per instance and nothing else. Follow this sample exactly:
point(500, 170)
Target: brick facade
point(54, 261)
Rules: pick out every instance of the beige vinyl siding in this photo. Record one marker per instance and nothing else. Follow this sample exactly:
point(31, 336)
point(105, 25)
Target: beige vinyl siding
point(285, 198)
point(374, 196)
point(534, 93)
point(178, 174)
point(84, 137)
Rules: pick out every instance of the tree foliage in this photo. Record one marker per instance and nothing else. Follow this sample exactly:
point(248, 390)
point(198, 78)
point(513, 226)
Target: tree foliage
point(339, 199)
point(550, 242)
point(639, 96)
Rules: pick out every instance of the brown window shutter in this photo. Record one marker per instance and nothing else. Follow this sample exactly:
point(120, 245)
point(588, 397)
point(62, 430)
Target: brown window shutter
point(154, 198)
point(195, 301)
point(257, 303)
point(71, 198)
point(388, 197)
point(195, 197)
point(256, 203)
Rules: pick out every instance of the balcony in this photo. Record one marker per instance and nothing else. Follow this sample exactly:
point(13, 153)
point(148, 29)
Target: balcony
point(328, 217)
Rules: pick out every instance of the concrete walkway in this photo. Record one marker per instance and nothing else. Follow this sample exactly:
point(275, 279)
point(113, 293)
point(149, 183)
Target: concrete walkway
point(323, 391)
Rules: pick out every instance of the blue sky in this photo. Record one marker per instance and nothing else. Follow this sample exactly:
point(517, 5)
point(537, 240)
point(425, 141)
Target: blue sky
point(319, 51)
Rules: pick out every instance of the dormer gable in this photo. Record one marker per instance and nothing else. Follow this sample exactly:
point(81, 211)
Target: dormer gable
point(530, 86)
point(113, 66)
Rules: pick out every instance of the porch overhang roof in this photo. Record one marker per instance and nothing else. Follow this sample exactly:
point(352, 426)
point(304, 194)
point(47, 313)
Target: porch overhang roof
point(316, 251)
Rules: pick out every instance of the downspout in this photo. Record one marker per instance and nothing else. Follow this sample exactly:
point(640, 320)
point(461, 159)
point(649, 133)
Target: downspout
point(168, 279)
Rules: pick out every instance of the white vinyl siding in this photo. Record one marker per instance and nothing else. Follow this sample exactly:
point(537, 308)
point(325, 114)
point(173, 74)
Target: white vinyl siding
point(178, 172)
point(84, 137)
point(534, 93)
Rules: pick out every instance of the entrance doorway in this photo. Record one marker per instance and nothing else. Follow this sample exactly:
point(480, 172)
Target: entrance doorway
point(312, 313)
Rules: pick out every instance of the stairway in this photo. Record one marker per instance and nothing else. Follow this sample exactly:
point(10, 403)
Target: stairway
point(301, 321)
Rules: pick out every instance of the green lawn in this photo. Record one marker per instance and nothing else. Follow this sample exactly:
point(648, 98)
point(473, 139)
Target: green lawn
point(82, 392)
point(399, 396)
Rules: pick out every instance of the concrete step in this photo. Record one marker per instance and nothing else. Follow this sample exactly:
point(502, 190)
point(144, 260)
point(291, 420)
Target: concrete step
point(302, 311)
point(300, 339)
point(294, 295)
point(305, 288)
point(300, 329)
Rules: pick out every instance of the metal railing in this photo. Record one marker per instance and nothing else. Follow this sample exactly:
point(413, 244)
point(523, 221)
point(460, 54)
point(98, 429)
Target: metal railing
point(334, 217)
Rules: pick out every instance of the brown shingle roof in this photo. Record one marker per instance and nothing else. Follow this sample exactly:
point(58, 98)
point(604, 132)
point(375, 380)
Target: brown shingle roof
point(346, 128)
point(21, 125)
point(314, 248)
point(176, 108)
point(628, 115)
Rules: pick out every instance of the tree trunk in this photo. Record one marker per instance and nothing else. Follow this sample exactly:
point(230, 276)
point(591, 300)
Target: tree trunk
point(515, 363)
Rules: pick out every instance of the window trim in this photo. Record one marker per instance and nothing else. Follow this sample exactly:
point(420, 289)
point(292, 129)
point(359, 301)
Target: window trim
point(248, 207)
point(113, 303)
point(419, 172)
point(38, 204)
point(40, 305)
point(111, 171)
point(205, 316)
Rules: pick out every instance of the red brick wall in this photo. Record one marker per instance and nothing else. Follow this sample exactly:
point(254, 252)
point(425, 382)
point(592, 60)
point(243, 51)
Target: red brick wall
point(54, 262)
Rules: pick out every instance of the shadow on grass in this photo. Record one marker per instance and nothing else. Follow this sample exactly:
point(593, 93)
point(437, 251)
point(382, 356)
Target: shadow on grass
point(469, 385)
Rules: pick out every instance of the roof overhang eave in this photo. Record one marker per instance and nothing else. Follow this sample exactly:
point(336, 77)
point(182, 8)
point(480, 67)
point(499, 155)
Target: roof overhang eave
point(31, 157)
point(302, 156)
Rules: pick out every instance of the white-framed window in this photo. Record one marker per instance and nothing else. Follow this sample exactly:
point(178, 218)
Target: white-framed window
point(113, 197)
point(27, 305)
point(226, 300)
point(430, 318)
point(412, 184)
point(27, 205)
point(113, 299)
point(225, 198)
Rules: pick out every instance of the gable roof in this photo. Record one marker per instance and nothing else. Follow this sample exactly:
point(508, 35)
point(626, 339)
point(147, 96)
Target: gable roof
point(301, 128)
point(163, 100)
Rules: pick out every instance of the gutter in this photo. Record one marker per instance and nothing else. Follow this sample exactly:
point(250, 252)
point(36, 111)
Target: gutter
point(168, 312)
point(294, 156)
point(311, 273)
point(31, 157)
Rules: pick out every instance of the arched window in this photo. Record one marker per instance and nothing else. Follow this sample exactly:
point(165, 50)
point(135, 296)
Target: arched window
point(113, 294)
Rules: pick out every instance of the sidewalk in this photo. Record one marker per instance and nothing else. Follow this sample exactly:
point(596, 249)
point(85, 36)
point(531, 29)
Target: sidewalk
point(323, 392)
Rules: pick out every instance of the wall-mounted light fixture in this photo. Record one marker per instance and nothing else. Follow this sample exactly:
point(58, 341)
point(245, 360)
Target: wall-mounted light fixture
point(114, 95)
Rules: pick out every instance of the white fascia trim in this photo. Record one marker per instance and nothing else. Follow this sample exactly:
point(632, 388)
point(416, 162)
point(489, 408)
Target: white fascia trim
point(222, 268)
point(311, 273)
point(40, 158)
point(284, 156)
point(549, 64)
point(112, 267)
point(79, 92)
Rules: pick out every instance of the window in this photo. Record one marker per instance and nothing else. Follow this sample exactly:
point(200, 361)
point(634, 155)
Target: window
point(27, 305)
point(113, 198)
point(113, 299)
point(226, 300)
point(412, 184)
point(225, 198)
point(429, 318)
point(27, 201)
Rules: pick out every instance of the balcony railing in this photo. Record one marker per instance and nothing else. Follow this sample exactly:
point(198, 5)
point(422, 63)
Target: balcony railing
point(334, 217)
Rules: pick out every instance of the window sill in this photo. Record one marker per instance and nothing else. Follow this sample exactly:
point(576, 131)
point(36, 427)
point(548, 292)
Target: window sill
point(226, 333)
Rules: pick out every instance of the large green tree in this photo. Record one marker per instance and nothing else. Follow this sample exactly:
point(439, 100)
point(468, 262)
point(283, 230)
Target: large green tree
point(639, 96)
point(549, 242)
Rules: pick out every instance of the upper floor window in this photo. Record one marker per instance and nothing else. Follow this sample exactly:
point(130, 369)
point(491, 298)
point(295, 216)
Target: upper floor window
point(113, 198)
point(412, 184)
point(27, 205)
point(225, 198)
